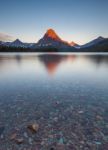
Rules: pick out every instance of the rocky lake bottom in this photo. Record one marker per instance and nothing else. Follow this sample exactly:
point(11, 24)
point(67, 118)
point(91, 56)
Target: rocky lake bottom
point(53, 102)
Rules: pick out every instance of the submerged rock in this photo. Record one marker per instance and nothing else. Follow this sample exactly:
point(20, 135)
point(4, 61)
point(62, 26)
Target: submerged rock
point(33, 127)
point(1, 129)
point(61, 141)
point(52, 148)
point(98, 143)
point(19, 140)
point(80, 112)
point(13, 136)
point(30, 141)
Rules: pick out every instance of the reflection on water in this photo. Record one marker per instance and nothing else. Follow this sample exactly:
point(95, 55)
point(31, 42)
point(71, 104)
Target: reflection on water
point(66, 94)
point(51, 62)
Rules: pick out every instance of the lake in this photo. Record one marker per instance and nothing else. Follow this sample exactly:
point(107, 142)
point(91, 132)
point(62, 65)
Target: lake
point(66, 95)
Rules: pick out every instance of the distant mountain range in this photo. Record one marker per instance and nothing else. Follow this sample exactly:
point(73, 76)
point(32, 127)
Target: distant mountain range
point(52, 42)
point(17, 43)
point(93, 42)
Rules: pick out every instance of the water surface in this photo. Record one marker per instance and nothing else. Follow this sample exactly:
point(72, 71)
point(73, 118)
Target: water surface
point(66, 94)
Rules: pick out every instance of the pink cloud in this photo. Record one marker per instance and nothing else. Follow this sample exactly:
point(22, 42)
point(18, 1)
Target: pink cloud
point(5, 37)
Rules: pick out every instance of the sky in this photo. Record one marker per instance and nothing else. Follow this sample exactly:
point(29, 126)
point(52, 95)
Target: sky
point(73, 20)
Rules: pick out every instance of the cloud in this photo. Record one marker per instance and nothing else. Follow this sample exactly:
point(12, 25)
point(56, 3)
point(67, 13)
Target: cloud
point(5, 37)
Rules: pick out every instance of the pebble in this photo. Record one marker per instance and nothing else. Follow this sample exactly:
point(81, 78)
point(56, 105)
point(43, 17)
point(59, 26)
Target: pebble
point(80, 112)
point(30, 141)
point(52, 148)
point(25, 135)
point(61, 141)
point(19, 140)
point(33, 127)
point(2, 128)
point(13, 136)
point(98, 143)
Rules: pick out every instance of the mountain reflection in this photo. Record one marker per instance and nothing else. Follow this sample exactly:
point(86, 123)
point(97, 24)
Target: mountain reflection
point(98, 59)
point(51, 62)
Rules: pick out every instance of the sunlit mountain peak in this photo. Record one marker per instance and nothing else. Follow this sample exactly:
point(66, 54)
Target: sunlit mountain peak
point(52, 34)
point(73, 43)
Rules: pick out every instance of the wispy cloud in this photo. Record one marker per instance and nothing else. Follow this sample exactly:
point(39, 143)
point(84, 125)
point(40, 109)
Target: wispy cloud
point(5, 37)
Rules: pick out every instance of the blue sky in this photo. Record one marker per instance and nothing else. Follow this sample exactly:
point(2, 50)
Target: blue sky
point(74, 20)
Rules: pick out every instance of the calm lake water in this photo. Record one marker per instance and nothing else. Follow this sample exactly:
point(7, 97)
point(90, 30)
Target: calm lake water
point(65, 94)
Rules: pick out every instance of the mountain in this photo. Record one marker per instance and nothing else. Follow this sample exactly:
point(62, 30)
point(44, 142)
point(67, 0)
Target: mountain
point(93, 42)
point(52, 34)
point(1, 43)
point(17, 44)
point(51, 42)
point(51, 39)
point(100, 46)
point(73, 44)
